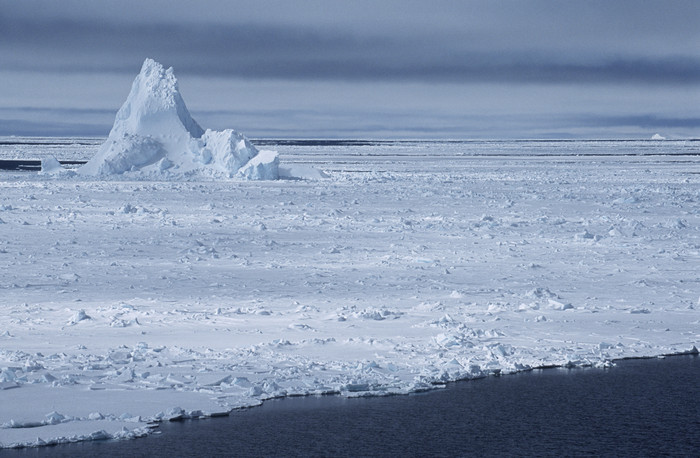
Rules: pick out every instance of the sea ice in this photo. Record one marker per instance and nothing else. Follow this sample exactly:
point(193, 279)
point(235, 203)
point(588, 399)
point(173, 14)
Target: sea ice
point(126, 302)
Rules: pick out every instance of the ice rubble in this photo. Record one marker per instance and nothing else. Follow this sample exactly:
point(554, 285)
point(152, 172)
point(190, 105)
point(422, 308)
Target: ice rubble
point(154, 133)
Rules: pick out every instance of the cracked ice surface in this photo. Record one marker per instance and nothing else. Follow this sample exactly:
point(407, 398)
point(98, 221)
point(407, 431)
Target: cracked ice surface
point(129, 302)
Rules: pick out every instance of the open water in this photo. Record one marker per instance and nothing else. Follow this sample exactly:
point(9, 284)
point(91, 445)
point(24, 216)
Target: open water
point(638, 408)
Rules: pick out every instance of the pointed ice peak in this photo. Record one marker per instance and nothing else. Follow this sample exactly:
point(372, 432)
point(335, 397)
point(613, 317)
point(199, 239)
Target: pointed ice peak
point(154, 106)
point(154, 134)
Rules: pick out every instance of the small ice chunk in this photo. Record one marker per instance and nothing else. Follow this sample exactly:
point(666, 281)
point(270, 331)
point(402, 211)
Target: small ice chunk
point(243, 382)
point(264, 166)
point(100, 435)
point(301, 172)
point(227, 379)
point(50, 165)
point(8, 385)
point(587, 236)
point(556, 305)
point(175, 414)
point(54, 418)
point(79, 316)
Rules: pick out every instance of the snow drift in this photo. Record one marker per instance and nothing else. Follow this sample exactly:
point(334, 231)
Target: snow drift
point(154, 133)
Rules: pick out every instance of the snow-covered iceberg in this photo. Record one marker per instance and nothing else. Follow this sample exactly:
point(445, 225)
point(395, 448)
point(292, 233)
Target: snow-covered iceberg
point(154, 133)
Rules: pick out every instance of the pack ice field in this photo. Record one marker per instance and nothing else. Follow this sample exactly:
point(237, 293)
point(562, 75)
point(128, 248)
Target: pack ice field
point(403, 266)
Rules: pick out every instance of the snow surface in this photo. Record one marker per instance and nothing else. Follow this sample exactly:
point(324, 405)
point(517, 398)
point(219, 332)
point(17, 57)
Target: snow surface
point(154, 135)
point(412, 264)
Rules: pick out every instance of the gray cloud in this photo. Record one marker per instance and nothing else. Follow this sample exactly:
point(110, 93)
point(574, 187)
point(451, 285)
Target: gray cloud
point(299, 123)
point(272, 50)
point(644, 121)
point(49, 128)
point(393, 68)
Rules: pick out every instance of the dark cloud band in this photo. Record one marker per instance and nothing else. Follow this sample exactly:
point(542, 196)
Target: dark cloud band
point(276, 51)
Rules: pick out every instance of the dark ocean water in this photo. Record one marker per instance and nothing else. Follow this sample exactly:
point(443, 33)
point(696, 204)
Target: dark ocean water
point(638, 408)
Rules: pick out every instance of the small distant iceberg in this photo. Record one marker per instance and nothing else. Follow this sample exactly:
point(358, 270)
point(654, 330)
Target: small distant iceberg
point(154, 134)
point(657, 137)
point(51, 166)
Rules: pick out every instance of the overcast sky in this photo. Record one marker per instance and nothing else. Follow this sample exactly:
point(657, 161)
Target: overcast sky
point(358, 69)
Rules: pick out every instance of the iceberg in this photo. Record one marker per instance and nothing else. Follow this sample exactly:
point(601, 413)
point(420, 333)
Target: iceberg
point(154, 133)
point(52, 167)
